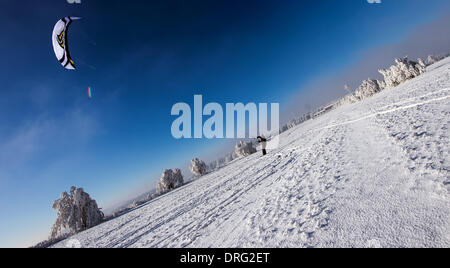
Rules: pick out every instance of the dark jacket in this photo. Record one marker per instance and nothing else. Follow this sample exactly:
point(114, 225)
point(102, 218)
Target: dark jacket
point(261, 139)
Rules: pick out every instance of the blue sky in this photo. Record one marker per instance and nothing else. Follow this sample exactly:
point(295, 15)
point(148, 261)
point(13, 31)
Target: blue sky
point(140, 58)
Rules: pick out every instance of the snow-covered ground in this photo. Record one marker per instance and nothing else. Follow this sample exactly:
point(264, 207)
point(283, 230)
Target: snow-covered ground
point(370, 174)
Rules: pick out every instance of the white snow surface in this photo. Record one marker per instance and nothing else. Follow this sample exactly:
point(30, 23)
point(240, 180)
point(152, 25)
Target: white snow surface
point(370, 174)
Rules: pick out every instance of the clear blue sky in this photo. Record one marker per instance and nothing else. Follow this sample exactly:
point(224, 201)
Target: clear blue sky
point(140, 58)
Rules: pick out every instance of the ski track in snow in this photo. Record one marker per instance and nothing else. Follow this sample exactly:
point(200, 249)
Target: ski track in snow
point(371, 174)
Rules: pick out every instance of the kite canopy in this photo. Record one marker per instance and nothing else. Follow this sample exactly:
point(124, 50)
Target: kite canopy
point(60, 45)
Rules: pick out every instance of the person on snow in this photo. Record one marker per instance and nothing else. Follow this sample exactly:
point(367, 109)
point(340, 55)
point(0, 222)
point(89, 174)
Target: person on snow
point(263, 141)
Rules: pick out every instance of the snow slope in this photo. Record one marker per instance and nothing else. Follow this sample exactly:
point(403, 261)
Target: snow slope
point(370, 174)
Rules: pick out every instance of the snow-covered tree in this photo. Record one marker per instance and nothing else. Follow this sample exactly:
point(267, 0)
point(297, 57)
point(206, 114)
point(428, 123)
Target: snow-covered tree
point(431, 60)
point(170, 179)
point(177, 178)
point(402, 71)
point(395, 75)
point(165, 183)
point(212, 166)
point(368, 88)
point(135, 204)
point(198, 167)
point(76, 212)
point(244, 149)
point(229, 158)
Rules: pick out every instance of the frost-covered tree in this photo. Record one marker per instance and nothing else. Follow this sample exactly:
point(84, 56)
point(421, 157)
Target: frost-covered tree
point(135, 204)
point(170, 179)
point(395, 75)
point(244, 149)
point(198, 167)
point(368, 88)
point(229, 158)
point(177, 178)
point(284, 128)
point(212, 166)
point(402, 71)
point(76, 212)
point(431, 60)
point(165, 183)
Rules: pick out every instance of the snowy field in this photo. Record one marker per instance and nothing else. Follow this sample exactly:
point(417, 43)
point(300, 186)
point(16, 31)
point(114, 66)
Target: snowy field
point(370, 174)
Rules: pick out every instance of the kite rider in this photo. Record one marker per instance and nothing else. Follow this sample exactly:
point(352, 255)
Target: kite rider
point(263, 141)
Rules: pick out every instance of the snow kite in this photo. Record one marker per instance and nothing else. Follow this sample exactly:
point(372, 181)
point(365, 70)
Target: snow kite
point(60, 44)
